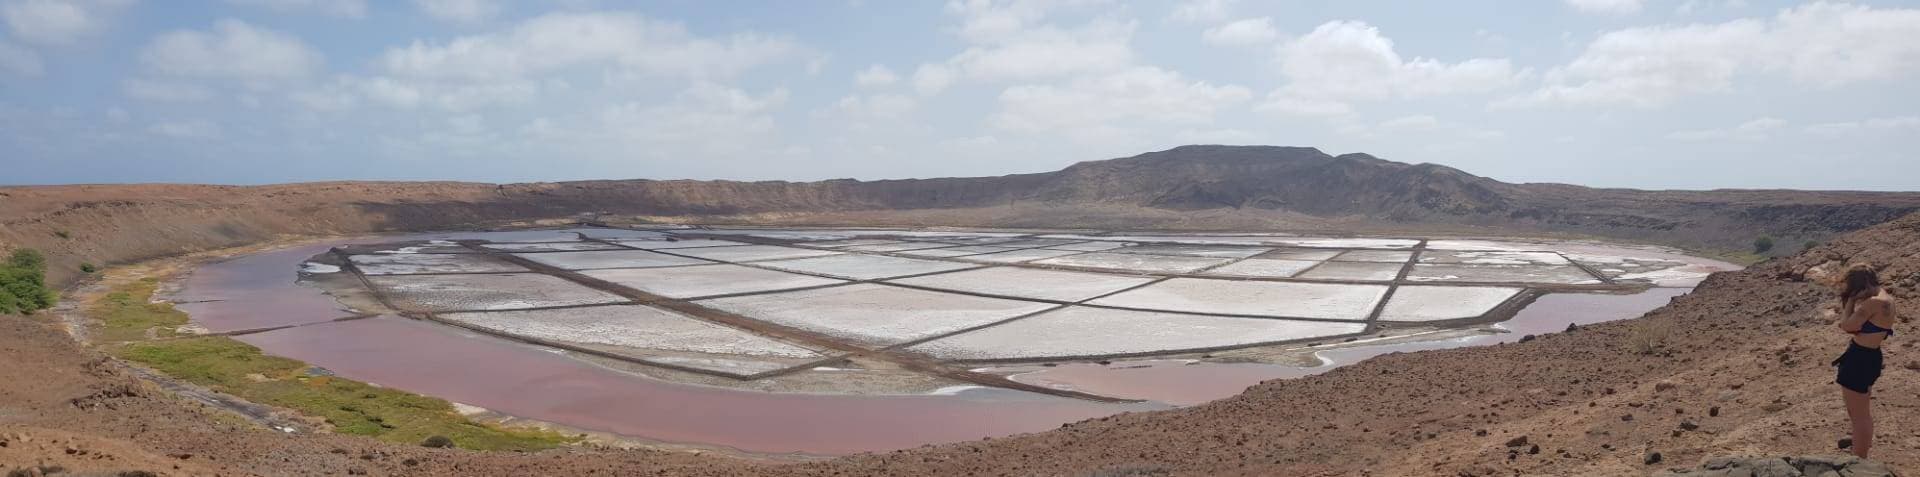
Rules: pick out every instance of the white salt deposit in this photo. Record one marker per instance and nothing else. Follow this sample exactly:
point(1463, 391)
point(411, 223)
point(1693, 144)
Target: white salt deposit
point(1263, 268)
point(631, 326)
point(505, 291)
point(749, 253)
point(707, 280)
point(1090, 246)
point(551, 247)
point(1018, 256)
point(848, 243)
point(414, 263)
point(318, 268)
point(864, 267)
point(1362, 271)
point(1494, 258)
point(1196, 251)
point(876, 315)
point(1135, 262)
point(1437, 303)
point(895, 247)
point(1380, 243)
point(1029, 283)
point(1382, 256)
point(955, 251)
point(1558, 274)
point(1302, 254)
point(609, 259)
point(1280, 299)
point(676, 244)
point(1081, 331)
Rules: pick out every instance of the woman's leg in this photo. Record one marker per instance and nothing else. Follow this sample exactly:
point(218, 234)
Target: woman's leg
point(1860, 411)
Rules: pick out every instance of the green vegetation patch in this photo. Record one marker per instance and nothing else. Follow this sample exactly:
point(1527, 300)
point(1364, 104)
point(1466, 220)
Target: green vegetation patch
point(126, 314)
point(23, 283)
point(351, 407)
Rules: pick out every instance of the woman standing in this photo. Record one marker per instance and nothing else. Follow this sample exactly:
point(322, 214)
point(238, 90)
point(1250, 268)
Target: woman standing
point(1866, 312)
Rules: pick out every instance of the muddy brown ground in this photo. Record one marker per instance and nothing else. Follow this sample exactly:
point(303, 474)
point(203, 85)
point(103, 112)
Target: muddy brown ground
point(1595, 401)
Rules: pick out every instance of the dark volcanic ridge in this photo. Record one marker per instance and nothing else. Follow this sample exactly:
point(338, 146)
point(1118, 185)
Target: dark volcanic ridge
point(1189, 187)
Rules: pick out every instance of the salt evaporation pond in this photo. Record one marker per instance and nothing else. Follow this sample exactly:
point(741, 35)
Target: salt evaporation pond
point(469, 320)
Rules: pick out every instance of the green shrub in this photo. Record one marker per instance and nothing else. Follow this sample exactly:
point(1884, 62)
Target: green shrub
point(88, 268)
point(1810, 245)
point(1762, 244)
point(23, 283)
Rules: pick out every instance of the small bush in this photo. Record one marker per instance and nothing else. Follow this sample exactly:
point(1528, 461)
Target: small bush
point(1762, 244)
point(63, 234)
point(1648, 336)
point(1810, 245)
point(23, 283)
point(88, 268)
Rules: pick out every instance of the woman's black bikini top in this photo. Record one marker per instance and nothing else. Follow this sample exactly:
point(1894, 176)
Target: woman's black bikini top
point(1869, 327)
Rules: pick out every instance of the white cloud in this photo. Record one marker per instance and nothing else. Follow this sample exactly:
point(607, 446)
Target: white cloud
point(931, 79)
point(337, 8)
point(1049, 51)
point(118, 115)
point(1897, 124)
point(164, 90)
point(19, 60)
point(706, 117)
point(1202, 11)
point(1822, 45)
point(1247, 32)
point(234, 51)
point(620, 43)
point(460, 11)
point(876, 75)
point(1752, 130)
point(1344, 61)
point(1607, 7)
point(1104, 106)
point(873, 107)
point(187, 129)
point(58, 22)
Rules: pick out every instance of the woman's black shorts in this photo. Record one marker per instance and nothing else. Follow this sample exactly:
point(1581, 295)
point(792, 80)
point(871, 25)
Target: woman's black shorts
point(1859, 368)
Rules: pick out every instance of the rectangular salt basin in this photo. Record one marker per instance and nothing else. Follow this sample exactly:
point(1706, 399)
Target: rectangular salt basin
point(1302, 254)
point(895, 247)
point(749, 253)
point(677, 243)
point(1362, 271)
point(707, 280)
point(1493, 258)
point(1018, 256)
point(1135, 262)
point(631, 326)
point(414, 263)
point(609, 259)
point(1089, 246)
point(1235, 297)
point(507, 291)
point(1560, 274)
point(954, 251)
point(848, 243)
point(552, 247)
point(1382, 256)
point(876, 315)
point(1036, 243)
point(1195, 251)
point(864, 267)
point(1028, 283)
point(1438, 303)
point(1088, 332)
point(1395, 244)
point(1263, 268)
point(1486, 245)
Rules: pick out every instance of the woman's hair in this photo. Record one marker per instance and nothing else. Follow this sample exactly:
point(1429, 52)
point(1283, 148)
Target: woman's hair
point(1859, 281)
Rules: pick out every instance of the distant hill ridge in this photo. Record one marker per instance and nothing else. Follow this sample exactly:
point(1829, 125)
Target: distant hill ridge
point(1188, 187)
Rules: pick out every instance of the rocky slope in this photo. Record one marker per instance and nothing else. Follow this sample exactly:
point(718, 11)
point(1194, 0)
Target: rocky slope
point(1192, 187)
point(1737, 368)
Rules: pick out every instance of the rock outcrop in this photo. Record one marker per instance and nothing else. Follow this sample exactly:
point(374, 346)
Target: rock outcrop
point(1806, 466)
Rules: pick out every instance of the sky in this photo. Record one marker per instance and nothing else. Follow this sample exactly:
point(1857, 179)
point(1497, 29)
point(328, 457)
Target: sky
point(1656, 94)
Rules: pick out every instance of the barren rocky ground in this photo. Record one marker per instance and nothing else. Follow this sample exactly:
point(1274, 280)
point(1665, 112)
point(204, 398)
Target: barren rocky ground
point(1736, 368)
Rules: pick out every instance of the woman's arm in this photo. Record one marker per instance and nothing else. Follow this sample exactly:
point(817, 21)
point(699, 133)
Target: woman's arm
point(1851, 322)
